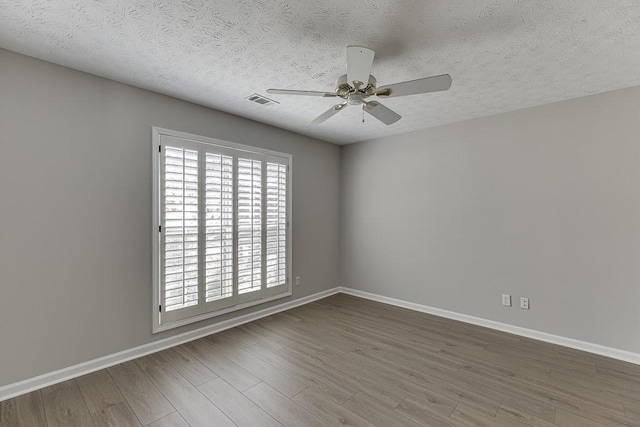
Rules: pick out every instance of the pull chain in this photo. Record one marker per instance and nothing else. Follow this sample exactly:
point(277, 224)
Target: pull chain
point(362, 113)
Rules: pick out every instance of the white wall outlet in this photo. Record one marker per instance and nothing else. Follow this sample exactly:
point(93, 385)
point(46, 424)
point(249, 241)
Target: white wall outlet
point(506, 300)
point(297, 280)
point(524, 303)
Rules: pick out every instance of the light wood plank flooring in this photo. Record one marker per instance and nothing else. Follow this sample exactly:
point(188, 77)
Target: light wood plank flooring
point(346, 361)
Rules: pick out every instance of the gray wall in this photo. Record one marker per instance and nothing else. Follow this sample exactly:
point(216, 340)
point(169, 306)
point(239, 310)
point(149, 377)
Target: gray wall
point(75, 213)
point(543, 202)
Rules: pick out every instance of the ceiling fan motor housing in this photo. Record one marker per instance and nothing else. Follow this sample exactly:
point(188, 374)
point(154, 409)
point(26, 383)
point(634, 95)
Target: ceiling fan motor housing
point(343, 88)
point(355, 99)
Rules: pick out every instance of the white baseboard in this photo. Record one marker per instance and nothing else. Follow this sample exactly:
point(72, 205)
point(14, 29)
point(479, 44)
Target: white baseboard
point(613, 353)
point(50, 378)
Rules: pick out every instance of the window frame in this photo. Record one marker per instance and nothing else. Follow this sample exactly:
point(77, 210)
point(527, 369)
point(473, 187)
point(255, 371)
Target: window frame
point(267, 293)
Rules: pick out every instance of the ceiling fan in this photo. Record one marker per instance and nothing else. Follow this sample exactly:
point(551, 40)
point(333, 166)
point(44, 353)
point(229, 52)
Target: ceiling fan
point(358, 85)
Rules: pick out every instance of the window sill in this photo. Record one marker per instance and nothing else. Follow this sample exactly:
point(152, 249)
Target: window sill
point(209, 315)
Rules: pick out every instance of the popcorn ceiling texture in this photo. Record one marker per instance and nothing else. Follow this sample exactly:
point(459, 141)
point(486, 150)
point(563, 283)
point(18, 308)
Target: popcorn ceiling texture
point(503, 55)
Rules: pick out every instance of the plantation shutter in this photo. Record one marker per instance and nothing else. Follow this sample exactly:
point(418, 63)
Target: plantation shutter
point(179, 223)
point(223, 227)
point(276, 233)
point(249, 226)
point(219, 220)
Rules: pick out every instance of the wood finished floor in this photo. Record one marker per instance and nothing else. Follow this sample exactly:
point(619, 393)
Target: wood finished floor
point(346, 361)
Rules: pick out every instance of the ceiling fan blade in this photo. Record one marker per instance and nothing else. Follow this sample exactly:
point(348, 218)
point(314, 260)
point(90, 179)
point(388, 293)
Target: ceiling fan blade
point(359, 62)
point(300, 92)
point(412, 87)
point(382, 113)
point(329, 113)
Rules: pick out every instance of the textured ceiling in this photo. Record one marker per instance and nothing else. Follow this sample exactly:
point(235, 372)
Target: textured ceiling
point(502, 54)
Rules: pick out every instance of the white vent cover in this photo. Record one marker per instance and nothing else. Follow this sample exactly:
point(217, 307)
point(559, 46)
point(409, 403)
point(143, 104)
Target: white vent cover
point(262, 100)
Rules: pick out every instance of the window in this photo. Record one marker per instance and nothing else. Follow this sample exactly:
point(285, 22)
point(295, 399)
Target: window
point(221, 218)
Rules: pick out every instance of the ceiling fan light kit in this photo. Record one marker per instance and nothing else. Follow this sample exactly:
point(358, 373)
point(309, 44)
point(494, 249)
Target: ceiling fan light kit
point(358, 85)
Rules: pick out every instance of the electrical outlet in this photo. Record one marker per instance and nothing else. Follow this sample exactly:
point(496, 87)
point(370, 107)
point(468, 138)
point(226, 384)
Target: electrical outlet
point(524, 303)
point(506, 300)
point(297, 280)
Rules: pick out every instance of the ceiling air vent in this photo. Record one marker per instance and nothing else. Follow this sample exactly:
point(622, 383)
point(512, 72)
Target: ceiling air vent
point(262, 100)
